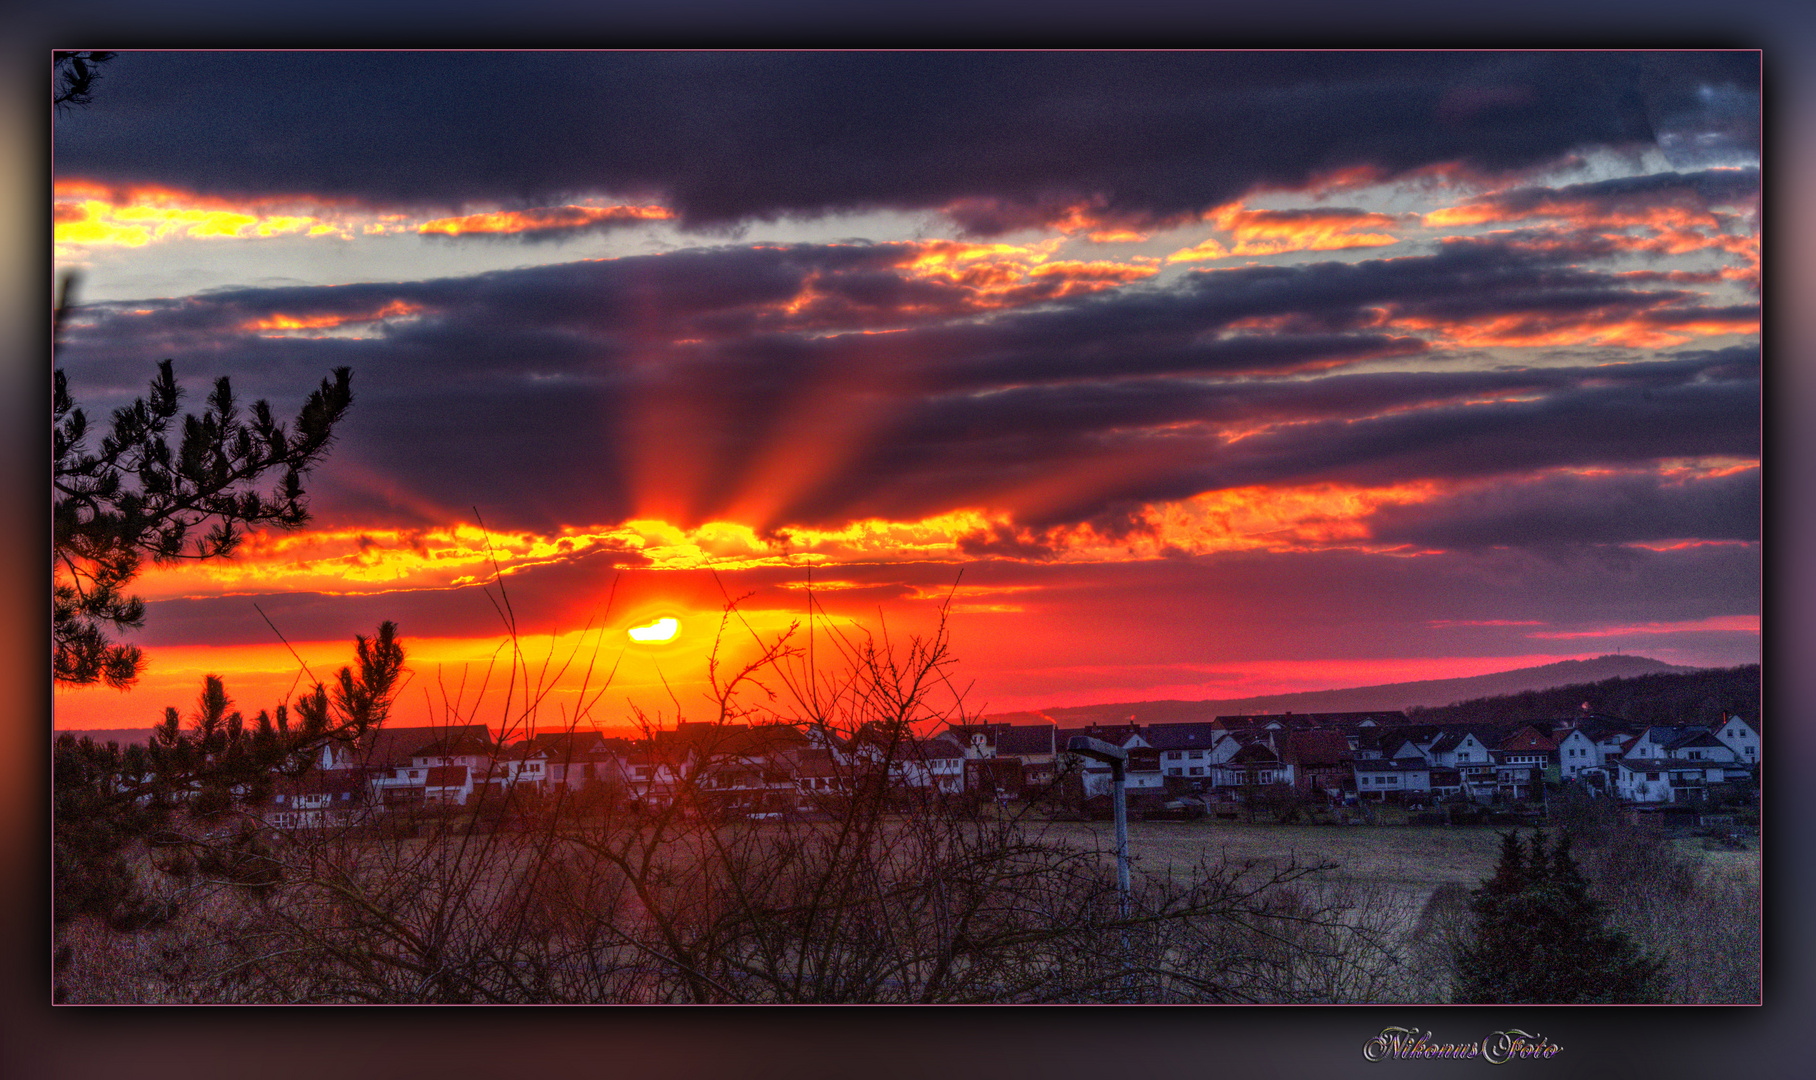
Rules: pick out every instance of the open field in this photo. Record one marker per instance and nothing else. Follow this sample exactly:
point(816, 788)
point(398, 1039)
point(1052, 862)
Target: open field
point(1409, 861)
point(1384, 876)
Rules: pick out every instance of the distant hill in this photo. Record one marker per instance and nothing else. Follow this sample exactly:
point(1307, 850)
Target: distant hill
point(1694, 697)
point(1426, 693)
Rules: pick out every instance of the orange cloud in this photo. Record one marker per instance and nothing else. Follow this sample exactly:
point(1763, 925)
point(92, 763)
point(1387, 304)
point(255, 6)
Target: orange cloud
point(87, 214)
point(353, 560)
point(1673, 228)
point(1687, 469)
point(1257, 518)
point(1272, 232)
point(977, 278)
point(541, 219)
point(1210, 248)
point(1116, 236)
point(1276, 232)
point(1067, 216)
point(333, 320)
point(1660, 328)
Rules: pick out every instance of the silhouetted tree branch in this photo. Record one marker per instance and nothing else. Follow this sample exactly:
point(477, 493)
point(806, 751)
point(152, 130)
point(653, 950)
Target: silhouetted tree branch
point(74, 75)
point(135, 497)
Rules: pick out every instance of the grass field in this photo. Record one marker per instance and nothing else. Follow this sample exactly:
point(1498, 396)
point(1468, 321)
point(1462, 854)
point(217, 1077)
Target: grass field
point(1382, 876)
point(1410, 861)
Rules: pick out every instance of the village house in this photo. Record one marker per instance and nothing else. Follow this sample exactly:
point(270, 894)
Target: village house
point(1525, 760)
point(1185, 752)
point(318, 800)
point(1664, 780)
point(937, 763)
point(447, 785)
point(1741, 737)
point(1576, 753)
point(576, 760)
point(1611, 740)
point(1254, 766)
point(1143, 780)
point(818, 776)
point(1034, 745)
point(1381, 778)
point(1320, 762)
point(1465, 751)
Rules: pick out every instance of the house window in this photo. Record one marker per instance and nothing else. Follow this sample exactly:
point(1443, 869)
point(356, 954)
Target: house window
point(1197, 771)
point(1195, 755)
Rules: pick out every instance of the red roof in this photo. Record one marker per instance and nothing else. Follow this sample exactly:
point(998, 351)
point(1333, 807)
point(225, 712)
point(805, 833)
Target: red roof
point(1528, 738)
point(446, 776)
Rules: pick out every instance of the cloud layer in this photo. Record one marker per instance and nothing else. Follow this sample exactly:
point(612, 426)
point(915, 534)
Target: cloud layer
point(1003, 140)
point(1155, 364)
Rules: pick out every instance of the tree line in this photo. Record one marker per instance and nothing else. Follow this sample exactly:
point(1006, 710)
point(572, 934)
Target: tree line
point(1694, 697)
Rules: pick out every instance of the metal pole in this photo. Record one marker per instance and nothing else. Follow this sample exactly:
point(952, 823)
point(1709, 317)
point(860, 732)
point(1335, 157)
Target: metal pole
point(1116, 757)
point(1122, 839)
point(1122, 869)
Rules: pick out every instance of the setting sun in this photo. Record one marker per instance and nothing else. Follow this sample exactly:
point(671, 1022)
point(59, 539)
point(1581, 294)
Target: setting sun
point(663, 629)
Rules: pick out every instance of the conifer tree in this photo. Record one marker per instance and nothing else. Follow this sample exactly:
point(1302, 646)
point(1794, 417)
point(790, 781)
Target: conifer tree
point(134, 497)
point(184, 784)
point(1540, 938)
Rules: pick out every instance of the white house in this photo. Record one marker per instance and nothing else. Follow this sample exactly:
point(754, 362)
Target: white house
point(1741, 738)
point(1379, 778)
point(1254, 765)
point(319, 800)
point(1458, 749)
point(1186, 749)
point(1142, 773)
point(1576, 754)
point(1700, 744)
point(1661, 779)
point(447, 785)
point(937, 763)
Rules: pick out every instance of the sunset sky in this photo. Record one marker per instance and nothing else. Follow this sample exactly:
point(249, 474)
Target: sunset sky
point(1182, 375)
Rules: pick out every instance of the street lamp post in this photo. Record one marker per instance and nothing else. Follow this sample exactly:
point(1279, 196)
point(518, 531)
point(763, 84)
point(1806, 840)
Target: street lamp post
point(1117, 758)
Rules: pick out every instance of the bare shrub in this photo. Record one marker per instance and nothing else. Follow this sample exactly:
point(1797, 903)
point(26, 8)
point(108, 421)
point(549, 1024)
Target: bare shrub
point(877, 895)
point(1705, 923)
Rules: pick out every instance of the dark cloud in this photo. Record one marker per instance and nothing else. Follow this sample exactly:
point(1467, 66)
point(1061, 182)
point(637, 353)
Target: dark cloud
point(593, 312)
point(1699, 190)
point(548, 394)
point(1577, 509)
point(1005, 139)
